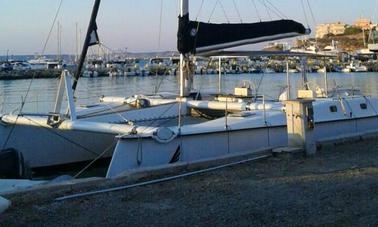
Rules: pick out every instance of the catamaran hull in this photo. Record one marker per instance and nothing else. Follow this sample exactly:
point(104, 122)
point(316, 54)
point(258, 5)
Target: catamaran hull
point(73, 141)
point(45, 147)
point(345, 128)
point(138, 154)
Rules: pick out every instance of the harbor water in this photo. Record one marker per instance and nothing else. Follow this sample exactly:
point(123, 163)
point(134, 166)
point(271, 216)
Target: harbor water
point(40, 93)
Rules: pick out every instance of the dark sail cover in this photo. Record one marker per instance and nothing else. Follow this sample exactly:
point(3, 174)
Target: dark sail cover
point(196, 37)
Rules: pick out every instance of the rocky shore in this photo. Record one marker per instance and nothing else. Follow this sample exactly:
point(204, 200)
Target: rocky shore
point(339, 186)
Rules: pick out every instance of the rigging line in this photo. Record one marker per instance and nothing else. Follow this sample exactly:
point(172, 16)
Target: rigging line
point(160, 82)
point(103, 46)
point(160, 23)
point(257, 11)
point(61, 136)
point(312, 12)
point(304, 13)
point(272, 9)
point(200, 9)
point(160, 117)
point(52, 27)
point(117, 112)
point(169, 106)
point(95, 160)
point(18, 115)
point(266, 8)
point(212, 11)
point(278, 12)
point(237, 11)
point(224, 11)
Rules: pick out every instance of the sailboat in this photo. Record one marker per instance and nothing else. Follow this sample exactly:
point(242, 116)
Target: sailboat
point(245, 126)
point(234, 118)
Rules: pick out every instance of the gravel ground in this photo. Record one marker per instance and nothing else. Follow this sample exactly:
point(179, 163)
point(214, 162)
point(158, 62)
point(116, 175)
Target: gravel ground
point(337, 187)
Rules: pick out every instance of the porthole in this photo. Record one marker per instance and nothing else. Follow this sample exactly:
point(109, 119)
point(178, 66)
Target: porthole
point(333, 109)
point(363, 106)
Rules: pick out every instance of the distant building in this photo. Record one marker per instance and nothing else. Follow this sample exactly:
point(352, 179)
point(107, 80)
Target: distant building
point(277, 46)
point(330, 29)
point(363, 23)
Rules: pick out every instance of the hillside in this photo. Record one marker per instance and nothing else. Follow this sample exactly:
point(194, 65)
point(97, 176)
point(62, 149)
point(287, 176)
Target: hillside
point(350, 41)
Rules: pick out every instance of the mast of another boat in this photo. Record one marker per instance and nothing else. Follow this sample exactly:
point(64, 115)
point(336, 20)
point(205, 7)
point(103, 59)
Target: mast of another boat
point(65, 84)
point(184, 60)
point(304, 72)
point(87, 42)
point(325, 81)
point(288, 80)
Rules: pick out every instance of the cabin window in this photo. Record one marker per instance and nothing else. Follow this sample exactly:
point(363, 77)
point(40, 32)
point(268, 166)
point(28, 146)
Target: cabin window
point(363, 106)
point(333, 109)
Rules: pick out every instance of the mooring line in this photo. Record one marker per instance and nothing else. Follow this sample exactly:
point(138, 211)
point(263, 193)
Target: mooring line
point(165, 179)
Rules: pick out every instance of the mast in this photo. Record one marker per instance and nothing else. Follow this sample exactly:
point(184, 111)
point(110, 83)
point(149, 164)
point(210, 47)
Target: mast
point(288, 79)
point(76, 43)
point(91, 28)
point(183, 59)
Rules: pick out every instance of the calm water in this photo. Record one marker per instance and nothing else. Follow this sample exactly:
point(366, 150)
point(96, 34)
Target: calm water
point(41, 95)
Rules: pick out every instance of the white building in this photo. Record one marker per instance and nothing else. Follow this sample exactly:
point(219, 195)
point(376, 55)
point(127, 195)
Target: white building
point(331, 28)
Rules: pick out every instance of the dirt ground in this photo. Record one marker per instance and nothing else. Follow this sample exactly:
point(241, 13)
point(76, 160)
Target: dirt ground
point(338, 187)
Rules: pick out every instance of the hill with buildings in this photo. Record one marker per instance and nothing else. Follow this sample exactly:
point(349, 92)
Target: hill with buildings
point(349, 38)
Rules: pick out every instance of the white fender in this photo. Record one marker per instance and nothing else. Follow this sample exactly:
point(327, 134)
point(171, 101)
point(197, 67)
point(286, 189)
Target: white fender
point(214, 105)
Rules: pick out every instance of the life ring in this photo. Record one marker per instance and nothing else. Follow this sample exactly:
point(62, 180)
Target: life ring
point(164, 135)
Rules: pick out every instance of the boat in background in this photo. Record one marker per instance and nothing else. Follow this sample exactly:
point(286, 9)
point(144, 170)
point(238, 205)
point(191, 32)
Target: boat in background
point(355, 67)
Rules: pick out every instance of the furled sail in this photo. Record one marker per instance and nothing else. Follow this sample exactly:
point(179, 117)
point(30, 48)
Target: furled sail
point(197, 37)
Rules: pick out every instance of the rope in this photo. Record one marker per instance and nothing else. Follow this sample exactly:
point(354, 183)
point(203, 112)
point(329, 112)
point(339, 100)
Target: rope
point(52, 27)
point(224, 11)
point(94, 160)
point(266, 8)
point(237, 11)
point(277, 11)
point(200, 9)
point(156, 181)
point(259, 84)
point(18, 115)
point(304, 12)
point(212, 11)
point(272, 8)
point(61, 136)
point(312, 13)
point(257, 11)
point(32, 79)
point(153, 121)
point(117, 112)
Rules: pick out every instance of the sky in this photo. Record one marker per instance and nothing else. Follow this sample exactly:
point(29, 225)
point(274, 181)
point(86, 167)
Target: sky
point(135, 24)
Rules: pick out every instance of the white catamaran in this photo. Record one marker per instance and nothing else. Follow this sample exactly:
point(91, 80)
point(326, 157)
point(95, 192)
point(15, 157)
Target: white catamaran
point(245, 126)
